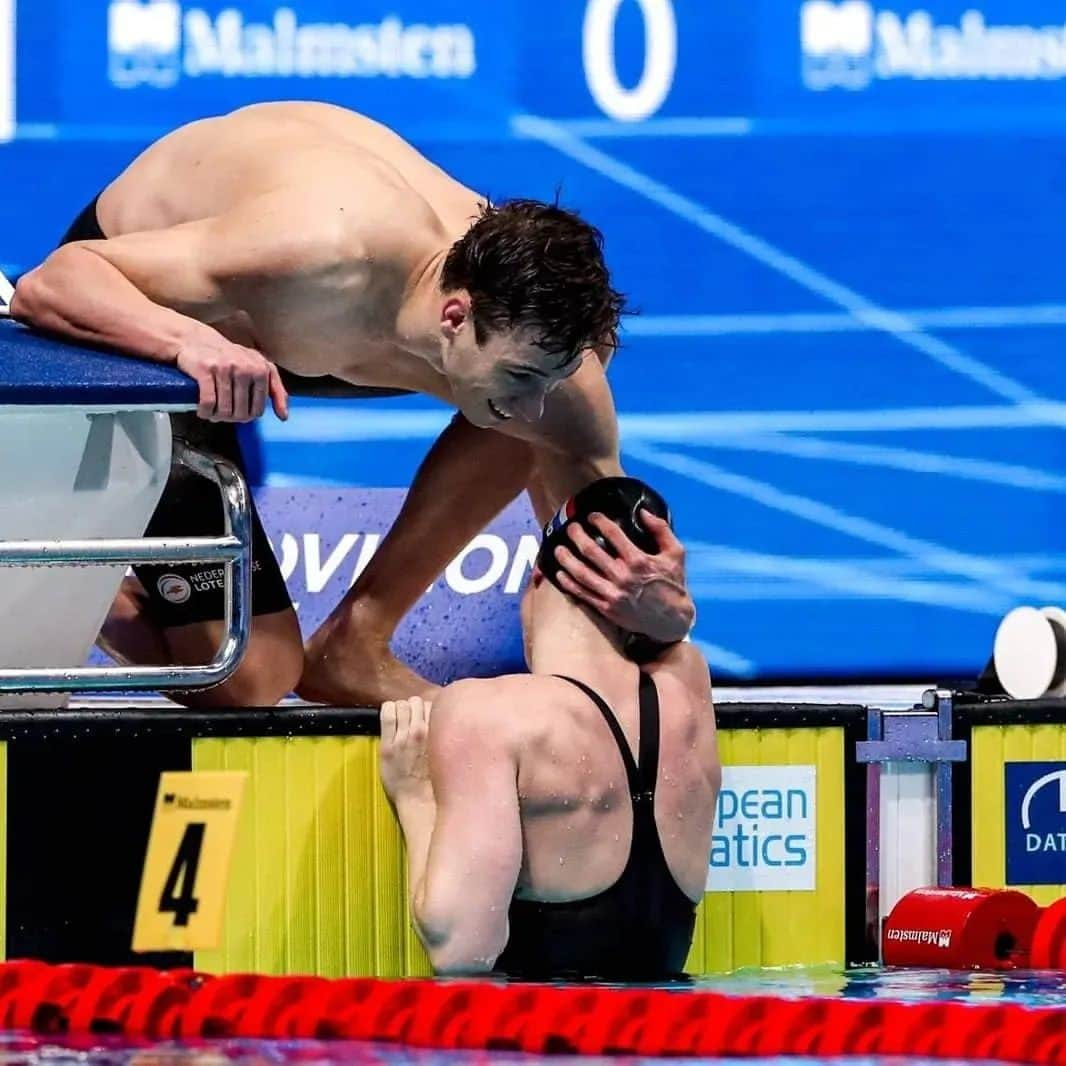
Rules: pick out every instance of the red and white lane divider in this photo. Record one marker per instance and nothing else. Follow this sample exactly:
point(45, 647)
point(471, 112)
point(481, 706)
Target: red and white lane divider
point(584, 1020)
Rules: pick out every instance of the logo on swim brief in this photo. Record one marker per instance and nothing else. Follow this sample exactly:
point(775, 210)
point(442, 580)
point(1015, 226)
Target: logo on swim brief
point(174, 588)
point(1035, 822)
point(849, 44)
point(156, 42)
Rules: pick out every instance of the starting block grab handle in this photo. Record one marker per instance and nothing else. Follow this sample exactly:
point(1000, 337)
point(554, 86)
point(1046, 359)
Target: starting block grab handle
point(232, 549)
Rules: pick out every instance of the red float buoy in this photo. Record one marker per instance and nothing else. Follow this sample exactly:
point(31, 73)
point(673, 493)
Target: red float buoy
point(1048, 951)
point(960, 929)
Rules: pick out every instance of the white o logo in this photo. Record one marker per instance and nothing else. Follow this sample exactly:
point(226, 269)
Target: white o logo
point(660, 59)
point(499, 556)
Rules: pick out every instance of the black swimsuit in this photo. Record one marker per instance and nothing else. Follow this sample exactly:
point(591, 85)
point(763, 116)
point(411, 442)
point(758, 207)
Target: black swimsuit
point(639, 929)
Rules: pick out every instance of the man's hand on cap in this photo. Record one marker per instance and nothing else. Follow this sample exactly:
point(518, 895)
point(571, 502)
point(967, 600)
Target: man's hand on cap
point(638, 592)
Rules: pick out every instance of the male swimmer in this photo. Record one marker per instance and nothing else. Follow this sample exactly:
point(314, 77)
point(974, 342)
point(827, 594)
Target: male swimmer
point(558, 823)
point(305, 239)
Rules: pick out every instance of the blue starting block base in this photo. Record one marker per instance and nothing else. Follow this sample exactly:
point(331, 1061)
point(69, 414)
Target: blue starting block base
point(38, 371)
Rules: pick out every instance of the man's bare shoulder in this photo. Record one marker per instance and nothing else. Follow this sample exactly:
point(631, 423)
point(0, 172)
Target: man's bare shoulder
point(326, 222)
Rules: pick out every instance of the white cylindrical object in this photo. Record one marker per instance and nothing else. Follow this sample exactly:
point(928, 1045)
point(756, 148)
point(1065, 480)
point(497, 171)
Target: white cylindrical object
point(1026, 653)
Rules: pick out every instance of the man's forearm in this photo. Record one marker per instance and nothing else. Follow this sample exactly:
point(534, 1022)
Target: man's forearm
point(466, 479)
point(77, 294)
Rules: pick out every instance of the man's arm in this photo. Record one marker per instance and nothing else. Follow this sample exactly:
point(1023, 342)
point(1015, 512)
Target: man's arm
point(152, 295)
point(82, 292)
point(575, 441)
point(464, 835)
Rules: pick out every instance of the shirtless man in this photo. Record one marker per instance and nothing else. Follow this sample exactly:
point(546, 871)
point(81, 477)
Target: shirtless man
point(535, 845)
point(304, 238)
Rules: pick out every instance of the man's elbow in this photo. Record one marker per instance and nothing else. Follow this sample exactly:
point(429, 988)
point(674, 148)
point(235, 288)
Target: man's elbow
point(34, 301)
point(29, 298)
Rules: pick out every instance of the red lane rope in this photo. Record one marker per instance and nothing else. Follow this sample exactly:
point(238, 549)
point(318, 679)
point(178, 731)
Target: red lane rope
point(142, 1002)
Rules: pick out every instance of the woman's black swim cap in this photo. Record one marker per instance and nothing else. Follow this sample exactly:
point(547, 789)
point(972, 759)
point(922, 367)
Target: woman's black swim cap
point(617, 498)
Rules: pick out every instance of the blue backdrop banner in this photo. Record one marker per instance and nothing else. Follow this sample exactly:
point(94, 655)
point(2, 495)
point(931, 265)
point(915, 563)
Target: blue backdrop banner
point(841, 220)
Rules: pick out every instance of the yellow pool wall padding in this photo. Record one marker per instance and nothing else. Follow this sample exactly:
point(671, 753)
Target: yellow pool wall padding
point(318, 882)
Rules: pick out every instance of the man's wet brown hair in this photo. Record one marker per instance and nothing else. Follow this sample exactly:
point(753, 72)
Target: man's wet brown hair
point(537, 266)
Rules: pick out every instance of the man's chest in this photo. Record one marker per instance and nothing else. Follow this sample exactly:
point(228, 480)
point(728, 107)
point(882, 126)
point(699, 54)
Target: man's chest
point(350, 343)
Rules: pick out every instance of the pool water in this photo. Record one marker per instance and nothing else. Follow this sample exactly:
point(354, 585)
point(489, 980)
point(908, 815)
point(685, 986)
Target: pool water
point(1031, 988)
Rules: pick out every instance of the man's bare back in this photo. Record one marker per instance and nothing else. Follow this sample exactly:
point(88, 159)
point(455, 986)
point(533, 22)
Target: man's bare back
point(316, 240)
point(255, 150)
point(346, 209)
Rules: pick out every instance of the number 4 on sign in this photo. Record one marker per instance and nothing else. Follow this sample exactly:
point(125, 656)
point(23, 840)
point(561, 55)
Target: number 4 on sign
point(186, 868)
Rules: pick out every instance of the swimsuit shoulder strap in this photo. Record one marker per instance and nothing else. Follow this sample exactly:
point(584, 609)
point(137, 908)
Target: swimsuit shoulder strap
point(649, 736)
point(633, 774)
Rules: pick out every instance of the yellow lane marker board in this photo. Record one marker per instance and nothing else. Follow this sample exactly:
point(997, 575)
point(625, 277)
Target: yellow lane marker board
point(186, 869)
